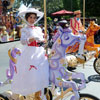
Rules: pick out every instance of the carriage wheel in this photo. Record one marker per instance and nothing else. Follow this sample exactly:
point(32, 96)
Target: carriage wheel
point(97, 65)
point(3, 97)
point(88, 97)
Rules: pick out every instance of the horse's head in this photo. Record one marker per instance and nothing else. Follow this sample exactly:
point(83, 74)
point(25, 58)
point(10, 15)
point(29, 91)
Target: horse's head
point(17, 51)
point(67, 38)
point(12, 54)
point(94, 27)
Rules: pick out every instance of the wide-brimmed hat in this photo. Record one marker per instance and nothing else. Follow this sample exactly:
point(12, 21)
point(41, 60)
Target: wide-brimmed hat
point(77, 12)
point(23, 10)
point(31, 10)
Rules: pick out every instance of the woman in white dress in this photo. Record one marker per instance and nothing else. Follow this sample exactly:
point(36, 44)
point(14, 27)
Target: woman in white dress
point(32, 66)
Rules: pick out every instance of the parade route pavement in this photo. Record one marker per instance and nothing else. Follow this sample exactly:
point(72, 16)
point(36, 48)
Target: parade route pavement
point(92, 87)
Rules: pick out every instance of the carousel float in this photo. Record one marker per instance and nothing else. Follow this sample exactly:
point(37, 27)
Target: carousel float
point(10, 20)
point(71, 60)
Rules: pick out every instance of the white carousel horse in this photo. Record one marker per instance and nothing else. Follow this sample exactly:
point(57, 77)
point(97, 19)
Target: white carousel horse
point(59, 75)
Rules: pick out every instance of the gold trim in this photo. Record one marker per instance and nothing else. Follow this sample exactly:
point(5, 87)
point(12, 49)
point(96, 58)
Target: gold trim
point(1, 98)
point(13, 59)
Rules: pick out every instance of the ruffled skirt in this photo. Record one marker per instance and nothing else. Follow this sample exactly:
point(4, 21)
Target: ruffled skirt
point(32, 71)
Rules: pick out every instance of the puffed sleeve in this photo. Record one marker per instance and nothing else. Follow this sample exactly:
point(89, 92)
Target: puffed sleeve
point(24, 39)
point(40, 34)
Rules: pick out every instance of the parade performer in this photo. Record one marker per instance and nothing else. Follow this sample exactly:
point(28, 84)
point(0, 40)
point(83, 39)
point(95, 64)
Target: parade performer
point(75, 23)
point(32, 66)
point(77, 28)
point(59, 75)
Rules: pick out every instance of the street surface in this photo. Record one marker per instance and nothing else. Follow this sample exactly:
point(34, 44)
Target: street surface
point(92, 87)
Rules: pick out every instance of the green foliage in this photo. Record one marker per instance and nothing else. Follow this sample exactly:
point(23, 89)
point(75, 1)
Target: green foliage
point(49, 19)
point(65, 17)
point(54, 5)
point(92, 6)
point(71, 5)
point(17, 3)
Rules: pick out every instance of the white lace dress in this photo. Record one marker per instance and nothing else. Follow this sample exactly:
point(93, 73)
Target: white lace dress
point(32, 66)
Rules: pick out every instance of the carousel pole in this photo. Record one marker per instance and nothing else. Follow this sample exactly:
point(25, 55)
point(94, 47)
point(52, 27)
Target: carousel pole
point(84, 18)
point(84, 13)
point(45, 24)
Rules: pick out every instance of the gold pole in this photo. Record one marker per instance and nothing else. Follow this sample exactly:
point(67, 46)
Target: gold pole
point(45, 20)
point(84, 13)
point(45, 23)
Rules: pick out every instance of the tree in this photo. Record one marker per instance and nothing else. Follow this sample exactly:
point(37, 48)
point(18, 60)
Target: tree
point(17, 3)
point(52, 5)
point(91, 7)
point(71, 5)
point(26, 2)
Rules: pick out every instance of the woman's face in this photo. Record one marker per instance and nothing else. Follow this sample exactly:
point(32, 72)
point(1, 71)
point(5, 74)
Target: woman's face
point(31, 19)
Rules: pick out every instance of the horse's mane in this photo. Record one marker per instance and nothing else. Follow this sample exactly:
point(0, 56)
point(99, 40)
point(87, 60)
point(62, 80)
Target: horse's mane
point(92, 29)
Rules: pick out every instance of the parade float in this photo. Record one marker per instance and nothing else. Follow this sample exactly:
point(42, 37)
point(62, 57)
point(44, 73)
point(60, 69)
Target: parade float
point(10, 20)
point(63, 46)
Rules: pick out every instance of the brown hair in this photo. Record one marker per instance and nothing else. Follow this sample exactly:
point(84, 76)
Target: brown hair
point(28, 14)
